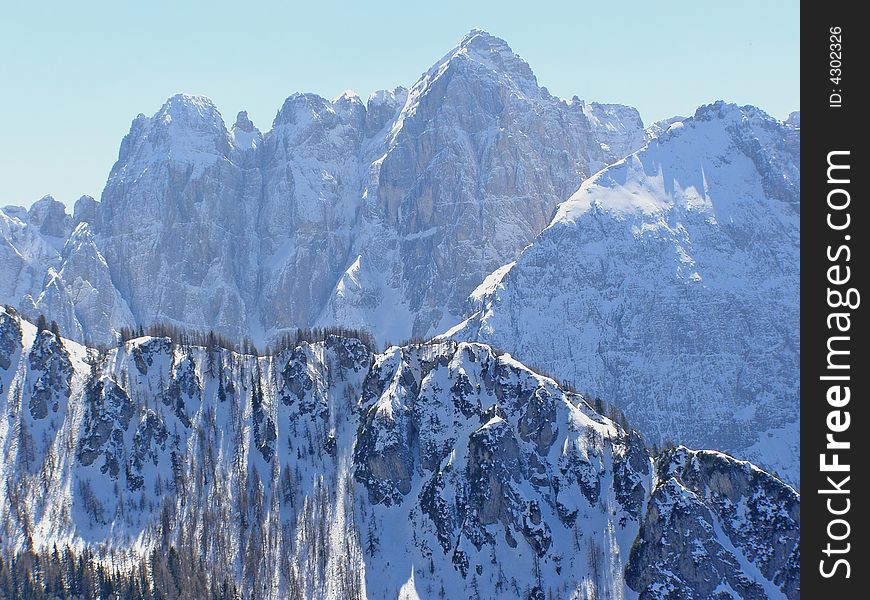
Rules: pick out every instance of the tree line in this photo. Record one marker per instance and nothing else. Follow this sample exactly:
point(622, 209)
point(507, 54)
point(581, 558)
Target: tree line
point(79, 575)
point(213, 341)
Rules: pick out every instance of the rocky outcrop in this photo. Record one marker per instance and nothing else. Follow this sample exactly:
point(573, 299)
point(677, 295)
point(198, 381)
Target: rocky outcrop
point(10, 337)
point(49, 217)
point(750, 523)
point(50, 375)
point(84, 210)
point(108, 411)
point(471, 169)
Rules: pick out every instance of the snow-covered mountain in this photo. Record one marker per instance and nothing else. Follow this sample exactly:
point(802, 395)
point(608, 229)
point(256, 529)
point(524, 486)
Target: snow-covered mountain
point(327, 471)
point(383, 215)
point(669, 284)
point(50, 264)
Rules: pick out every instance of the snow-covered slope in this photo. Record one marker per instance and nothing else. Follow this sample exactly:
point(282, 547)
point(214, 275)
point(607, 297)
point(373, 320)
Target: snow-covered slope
point(382, 214)
point(669, 284)
point(327, 471)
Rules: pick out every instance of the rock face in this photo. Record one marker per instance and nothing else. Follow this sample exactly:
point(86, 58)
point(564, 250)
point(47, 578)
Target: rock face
point(171, 216)
point(383, 215)
point(469, 172)
point(51, 265)
point(50, 372)
point(441, 470)
point(712, 493)
point(669, 283)
point(26, 253)
point(85, 210)
point(81, 292)
point(49, 217)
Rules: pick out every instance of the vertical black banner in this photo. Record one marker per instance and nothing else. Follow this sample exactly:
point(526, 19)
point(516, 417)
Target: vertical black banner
point(834, 344)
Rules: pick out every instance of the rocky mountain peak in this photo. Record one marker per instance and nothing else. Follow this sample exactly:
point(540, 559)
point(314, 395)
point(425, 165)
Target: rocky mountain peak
point(15, 211)
point(382, 107)
point(394, 98)
point(771, 144)
point(243, 133)
point(188, 130)
point(347, 96)
point(243, 123)
point(190, 110)
point(351, 107)
point(303, 107)
point(481, 46)
point(729, 111)
point(85, 210)
point(50, 216)
point(483, 53)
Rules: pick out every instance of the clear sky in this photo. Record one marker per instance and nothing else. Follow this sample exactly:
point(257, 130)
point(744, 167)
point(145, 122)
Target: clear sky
point(74, 74)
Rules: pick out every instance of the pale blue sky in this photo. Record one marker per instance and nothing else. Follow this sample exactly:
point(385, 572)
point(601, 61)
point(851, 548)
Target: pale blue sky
point(74, 74)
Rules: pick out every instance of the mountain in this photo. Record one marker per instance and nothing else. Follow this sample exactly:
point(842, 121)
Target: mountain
point(30, 241)
point(669, 283)
point(326, 470)
point(51, 265)
point(384, 214)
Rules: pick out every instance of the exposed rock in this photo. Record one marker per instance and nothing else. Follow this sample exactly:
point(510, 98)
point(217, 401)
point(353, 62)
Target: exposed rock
point(10, 337)
point(709, 517)
point(51, 373)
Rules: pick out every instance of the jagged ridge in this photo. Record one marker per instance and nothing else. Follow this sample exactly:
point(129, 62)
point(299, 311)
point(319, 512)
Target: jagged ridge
point(440, 469)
